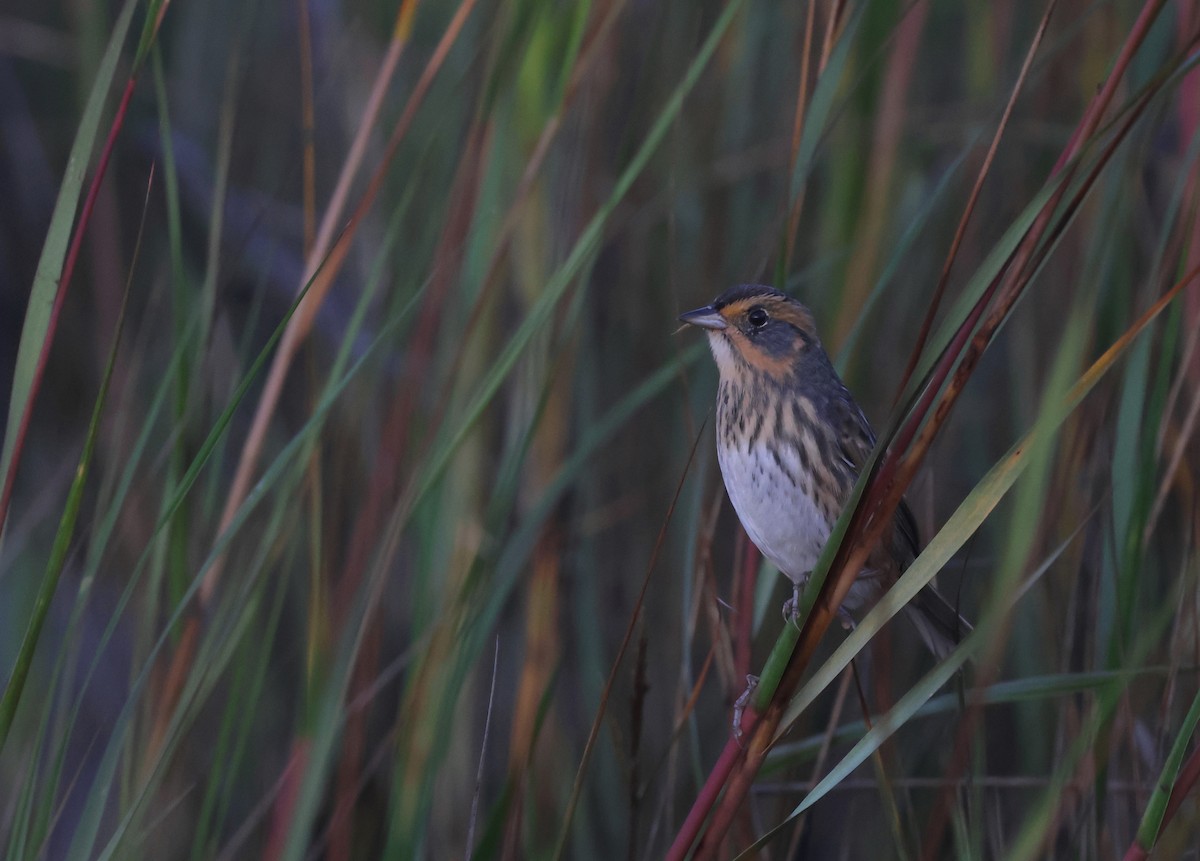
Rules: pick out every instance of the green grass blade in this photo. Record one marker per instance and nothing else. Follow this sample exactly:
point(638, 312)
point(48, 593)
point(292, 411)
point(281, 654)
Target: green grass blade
point(1151, 825)
point(62, 544)
point(58, 236)
point(585, 247)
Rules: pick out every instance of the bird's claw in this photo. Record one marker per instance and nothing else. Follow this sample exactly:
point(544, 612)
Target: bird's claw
point(791, 610)
point(791, 607)
point(739, 707)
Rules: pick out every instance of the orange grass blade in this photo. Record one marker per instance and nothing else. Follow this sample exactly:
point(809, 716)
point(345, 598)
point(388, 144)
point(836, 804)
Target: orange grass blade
point(884, 489)
point(322, 281)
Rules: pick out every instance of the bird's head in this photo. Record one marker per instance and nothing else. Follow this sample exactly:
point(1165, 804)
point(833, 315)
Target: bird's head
point(754, 328)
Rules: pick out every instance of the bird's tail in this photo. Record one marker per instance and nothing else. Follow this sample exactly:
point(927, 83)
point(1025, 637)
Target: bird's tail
point(938, 623)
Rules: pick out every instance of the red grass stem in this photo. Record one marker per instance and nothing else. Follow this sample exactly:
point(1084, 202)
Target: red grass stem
point(60, 296)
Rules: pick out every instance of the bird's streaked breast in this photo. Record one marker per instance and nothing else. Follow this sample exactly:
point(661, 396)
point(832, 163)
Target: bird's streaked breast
point(780, 517)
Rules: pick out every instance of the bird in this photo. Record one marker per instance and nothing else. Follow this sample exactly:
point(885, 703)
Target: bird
point(791, 443)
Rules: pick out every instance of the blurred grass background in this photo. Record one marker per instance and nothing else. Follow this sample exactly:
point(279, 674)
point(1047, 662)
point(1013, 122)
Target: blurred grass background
point(396, 644)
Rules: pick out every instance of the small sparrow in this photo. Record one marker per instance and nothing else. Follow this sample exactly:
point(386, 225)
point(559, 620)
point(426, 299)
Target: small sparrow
point(791, 442)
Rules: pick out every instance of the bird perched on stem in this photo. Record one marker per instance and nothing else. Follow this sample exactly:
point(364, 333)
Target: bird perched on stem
point(791, 442)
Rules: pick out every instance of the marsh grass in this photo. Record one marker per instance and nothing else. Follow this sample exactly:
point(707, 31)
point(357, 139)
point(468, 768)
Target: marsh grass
point(394, 439)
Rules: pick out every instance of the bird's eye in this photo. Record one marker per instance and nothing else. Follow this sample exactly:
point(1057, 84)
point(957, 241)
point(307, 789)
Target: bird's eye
point(757, 317)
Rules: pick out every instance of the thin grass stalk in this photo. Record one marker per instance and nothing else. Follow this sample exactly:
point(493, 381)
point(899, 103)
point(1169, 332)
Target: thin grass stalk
point(25, 409)
point(1186, 431)
point(62, 540)
point(820, 105)
point(1099, 104)
point(907, 450)
point(308, 127)
point(1035, 833)
point(1016, 274)
point(394, 442)
point(883, 758)
point(831, 728)
point(414, 385)
point(1026, 260)
point(1189, 775)
point(797, 206)
point(833, 30)
point(1007, 595)
point(747, 580)
point(960, 231)
point(487, 725)
point(533, 167)
point(589, 746)
point(960, 757)
point(199, 302)
point(488, 417)
point(541, 636)
point(583, 249)
point(881, 167)
point(1173, 784)
point(298, 327)
point(321, 282)
point(333, 696)
point(330, 220)
point(55, 275)
point(229, 738)
point(690, 683)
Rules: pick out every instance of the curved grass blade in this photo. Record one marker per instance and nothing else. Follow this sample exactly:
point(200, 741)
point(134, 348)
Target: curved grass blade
point(1033, 448)
point(42, 296)
point(1022, 690)
point(970, 514)
point(958, 529)
point(66, 525)
point(1036, 453)
point(1030, 841)
point(782, 651)
point(899, 253)
point(1152, 819)
point(584, 249)
point(88, 828)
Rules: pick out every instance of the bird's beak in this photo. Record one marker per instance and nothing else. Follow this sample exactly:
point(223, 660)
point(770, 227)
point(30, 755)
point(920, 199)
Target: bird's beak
point(707, 317)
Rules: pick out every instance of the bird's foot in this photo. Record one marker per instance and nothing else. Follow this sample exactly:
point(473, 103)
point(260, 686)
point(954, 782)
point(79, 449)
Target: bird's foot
point(739, 707)
point(791, 610)
point(791, 607)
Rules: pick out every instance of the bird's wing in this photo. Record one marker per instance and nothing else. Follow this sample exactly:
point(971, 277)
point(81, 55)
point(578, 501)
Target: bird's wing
point(855, 437)
point(856, 440)
point(938, 622)
point(907, 537)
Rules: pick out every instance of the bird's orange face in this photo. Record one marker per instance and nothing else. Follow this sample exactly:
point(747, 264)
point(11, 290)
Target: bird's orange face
point(757, 330)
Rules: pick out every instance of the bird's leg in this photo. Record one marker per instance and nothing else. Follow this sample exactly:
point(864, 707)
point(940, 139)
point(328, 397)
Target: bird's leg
point(791, 607)
point(739, 706)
